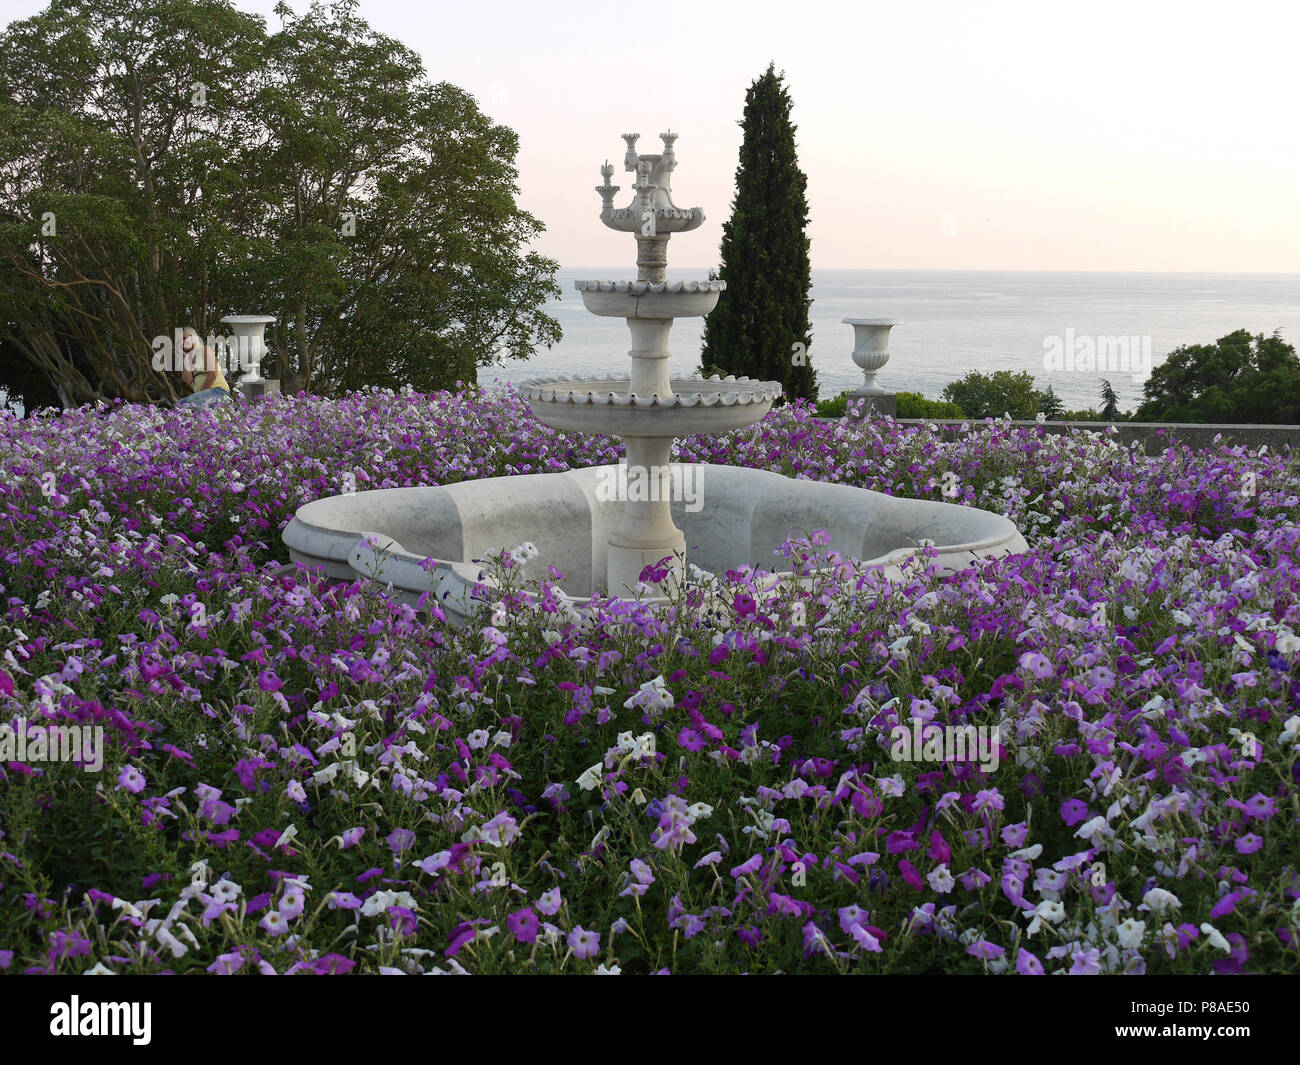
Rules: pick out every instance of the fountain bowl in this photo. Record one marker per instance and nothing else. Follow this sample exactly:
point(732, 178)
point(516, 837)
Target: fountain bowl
point(650, 299)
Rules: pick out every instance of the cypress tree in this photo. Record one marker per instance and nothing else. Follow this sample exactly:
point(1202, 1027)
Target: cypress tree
point(1052, 408)
point(1110, 410)
point(760, 327)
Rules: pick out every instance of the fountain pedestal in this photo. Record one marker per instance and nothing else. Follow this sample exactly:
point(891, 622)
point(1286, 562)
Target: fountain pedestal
point(646, 536)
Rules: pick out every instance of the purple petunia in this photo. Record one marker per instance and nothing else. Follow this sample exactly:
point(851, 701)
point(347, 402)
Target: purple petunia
point(523, 925)
point(1074, 811)
point(400, 839)
point(1027, 964)
point(268, 681)
point(1249, 843)
point(584, 944)
point(911, 874)
point(130, 779)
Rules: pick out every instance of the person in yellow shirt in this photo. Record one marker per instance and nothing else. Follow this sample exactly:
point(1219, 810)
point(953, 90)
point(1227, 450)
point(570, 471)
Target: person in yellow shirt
point(210, 385)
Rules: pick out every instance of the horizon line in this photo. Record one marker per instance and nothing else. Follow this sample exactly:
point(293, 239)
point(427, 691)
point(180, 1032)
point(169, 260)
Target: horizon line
point(981, 270)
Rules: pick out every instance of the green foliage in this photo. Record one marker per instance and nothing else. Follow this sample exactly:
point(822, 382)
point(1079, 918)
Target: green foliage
point(910, 405)
point(197, 165)
point(995, 395)
point(1088, 415)
point(763, 314)
point(1239, 379)
point(915, 405)
point(836, 407)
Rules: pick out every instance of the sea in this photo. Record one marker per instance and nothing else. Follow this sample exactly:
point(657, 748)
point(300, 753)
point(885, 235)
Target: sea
point(951, 322)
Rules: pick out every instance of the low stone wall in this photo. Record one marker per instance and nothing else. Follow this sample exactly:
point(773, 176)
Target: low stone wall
point(1155, 436)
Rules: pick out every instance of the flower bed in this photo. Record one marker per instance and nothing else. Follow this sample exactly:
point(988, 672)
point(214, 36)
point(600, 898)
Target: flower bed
point(297, 777)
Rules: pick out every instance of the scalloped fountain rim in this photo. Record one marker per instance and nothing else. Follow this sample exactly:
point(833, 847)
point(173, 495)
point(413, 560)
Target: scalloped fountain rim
point(743, 391)
point(640, 288)
point(636, 212)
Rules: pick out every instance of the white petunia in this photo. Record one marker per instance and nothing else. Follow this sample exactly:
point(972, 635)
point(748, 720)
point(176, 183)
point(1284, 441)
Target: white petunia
point(1048, 911)
point(1095, 831)
point(941, 880)
point(1157, 900)
point(898, 649)
point(1216, 938)
point(1130, 933)
point(226, 891)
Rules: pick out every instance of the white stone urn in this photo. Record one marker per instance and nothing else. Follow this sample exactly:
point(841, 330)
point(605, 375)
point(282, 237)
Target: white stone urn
point(250, 333)
point(870, 350)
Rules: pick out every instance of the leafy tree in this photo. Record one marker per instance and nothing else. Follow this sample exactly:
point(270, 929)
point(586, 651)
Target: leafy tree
point(997, 394)
point(194, 165)
point(763, 314)
point(108, 166)
point(397, 234)
point(1052, 408)
point(1240, 379)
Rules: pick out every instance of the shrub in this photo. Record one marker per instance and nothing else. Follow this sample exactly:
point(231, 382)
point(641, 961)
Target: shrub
point(915, 405)
point(836, 407)
point(910, 405)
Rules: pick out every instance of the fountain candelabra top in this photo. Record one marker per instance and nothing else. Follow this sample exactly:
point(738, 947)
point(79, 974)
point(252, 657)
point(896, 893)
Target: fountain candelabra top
point(651, 216)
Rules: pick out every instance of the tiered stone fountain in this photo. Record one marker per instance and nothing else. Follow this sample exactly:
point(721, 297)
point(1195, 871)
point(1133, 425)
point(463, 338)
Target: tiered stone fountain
point(431, 540)
point(648, 410)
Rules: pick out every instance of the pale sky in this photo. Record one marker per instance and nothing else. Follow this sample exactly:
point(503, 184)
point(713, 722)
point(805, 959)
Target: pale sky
point(992, 136)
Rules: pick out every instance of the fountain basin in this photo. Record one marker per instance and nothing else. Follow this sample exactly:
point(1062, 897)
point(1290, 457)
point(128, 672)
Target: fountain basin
point(605, 405)
point(427, 539)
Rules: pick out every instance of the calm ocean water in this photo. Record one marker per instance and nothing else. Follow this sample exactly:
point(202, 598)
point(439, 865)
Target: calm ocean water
point(956, 321)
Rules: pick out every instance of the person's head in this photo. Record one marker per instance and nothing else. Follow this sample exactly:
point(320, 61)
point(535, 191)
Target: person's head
point(194, 351)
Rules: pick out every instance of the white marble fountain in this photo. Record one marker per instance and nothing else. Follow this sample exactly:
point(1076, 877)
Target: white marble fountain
point(603, 526)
